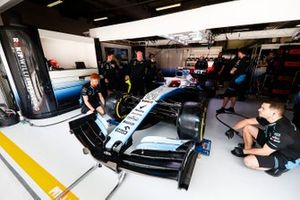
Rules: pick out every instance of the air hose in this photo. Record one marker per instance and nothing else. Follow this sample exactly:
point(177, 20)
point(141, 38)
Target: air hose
point(229, 113)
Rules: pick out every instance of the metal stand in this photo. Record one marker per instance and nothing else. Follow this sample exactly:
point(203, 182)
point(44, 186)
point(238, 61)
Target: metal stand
point(121, 177)
point(63, 193)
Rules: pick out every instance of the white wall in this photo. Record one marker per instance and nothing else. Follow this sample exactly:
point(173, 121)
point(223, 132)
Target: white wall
point(170, 58)
point(154, 51)
point(68, 48)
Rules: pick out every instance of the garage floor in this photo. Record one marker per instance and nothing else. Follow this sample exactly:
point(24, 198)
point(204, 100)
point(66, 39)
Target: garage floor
point(55, 157)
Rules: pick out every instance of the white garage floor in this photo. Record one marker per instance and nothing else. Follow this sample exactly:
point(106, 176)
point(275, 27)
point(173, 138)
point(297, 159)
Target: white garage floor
point(219, 176)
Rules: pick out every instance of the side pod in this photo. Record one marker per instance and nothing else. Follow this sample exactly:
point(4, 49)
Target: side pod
point(166, 158)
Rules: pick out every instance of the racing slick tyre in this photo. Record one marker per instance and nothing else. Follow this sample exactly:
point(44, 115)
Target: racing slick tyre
point(210, 87)
point(8, 118)
point(117, 105)
point(190, 121)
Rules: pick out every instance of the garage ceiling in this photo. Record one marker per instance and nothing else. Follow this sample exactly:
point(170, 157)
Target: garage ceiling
point(77, 16)
point(118, 11)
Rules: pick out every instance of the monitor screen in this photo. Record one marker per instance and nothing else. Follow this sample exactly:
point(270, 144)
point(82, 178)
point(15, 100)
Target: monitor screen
point(80, 65)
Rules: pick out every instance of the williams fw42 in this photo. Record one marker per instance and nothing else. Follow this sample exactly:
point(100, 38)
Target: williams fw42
point(173, 158)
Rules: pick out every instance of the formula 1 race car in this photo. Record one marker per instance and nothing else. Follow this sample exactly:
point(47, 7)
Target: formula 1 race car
point(177, 101)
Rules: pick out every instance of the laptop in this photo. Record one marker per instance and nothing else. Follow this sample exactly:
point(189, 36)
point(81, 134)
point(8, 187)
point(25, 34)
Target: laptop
point(80, 65)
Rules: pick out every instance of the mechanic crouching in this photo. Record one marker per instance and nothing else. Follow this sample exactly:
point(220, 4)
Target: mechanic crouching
point(91, 96)
point(279, 141)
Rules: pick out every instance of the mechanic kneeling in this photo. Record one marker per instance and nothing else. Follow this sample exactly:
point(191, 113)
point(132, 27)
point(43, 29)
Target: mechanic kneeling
point(279, 141)
point(91, 96)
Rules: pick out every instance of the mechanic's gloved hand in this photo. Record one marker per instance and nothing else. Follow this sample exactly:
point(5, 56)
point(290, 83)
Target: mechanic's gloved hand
point(230, 133)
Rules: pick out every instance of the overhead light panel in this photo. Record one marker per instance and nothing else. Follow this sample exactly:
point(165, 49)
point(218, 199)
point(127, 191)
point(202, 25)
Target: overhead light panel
point(54, 3)
point(3, 2)
point(241, 29)
point(168, 7)
point(100, 19)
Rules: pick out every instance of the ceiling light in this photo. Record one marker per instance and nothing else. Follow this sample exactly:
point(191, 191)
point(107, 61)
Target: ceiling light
point(3, 2)
point(298, 25)
point(54, 3)
point(241, 29)
point(100, 19)
point(168, 7)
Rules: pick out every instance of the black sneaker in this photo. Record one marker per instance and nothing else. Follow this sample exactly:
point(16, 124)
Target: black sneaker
point(231, 109)
point(238, 152)
point(276, 172)
point(221, 110)
point(242, 145)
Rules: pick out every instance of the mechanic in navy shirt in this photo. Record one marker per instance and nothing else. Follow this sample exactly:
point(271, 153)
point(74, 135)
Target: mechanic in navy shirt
point(110, 72)
point(136, 74)
point(91, 96)
point(238, 82)
point(279, 141)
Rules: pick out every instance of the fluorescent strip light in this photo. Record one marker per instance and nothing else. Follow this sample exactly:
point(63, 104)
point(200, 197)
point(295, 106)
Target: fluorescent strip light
point(168, 7)
point(99, 19)
point(54, 3)
point(3, 2)
point(241, 29)
point(186, 21)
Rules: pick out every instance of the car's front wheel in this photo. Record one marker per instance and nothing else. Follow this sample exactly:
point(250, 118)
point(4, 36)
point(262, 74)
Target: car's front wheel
point(191, 121)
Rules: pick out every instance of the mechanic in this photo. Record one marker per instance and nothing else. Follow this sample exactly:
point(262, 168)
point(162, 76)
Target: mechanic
point(266, 80)
point(217, 72)
point(201, 63)
point(150, 73)
point(91, 96)
point(109, 72)
point(136, 74)
point(238, 82)
point(296, 118)
point(278, 148)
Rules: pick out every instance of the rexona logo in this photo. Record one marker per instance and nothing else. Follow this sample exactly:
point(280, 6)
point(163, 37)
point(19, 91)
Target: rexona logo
point(25, 73)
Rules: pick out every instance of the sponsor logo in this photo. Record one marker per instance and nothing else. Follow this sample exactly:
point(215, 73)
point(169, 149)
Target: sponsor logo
point(124, 132)
point(35, 100)
point(138, 110)
point(138, 114)
point(147, 101)
point(143, 106)
point(153, 94)
point(128, 122)
point(132, 117)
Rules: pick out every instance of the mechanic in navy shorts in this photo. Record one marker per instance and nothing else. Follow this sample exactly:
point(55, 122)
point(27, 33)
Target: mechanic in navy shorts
point(278, 148)
point(91, 96)
point(238, 82)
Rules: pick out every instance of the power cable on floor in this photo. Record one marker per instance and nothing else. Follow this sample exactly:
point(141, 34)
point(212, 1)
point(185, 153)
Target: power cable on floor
point(229, 113)
point(231, 132)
